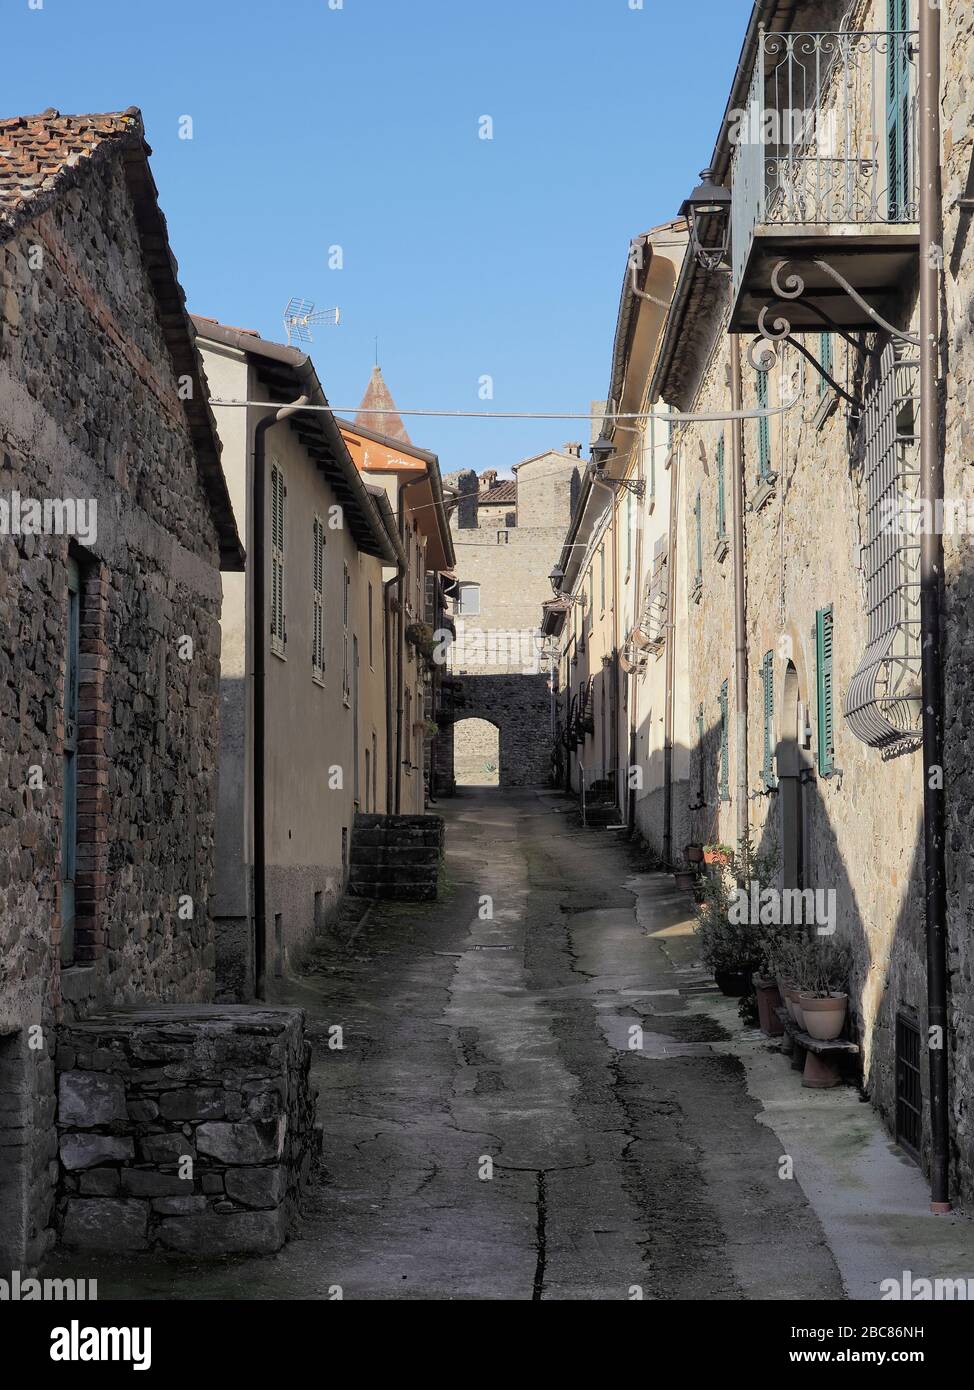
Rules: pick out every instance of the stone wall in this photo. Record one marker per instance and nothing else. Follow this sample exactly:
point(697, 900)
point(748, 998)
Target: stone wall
point(182, 1129)
point(91, 411)
point(476, 753)
point(520, 708)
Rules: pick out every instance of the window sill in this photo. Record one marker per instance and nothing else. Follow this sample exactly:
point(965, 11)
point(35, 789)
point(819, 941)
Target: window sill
point(721, 549)
point(278, 652)
point(318, 679)
point(696, 591)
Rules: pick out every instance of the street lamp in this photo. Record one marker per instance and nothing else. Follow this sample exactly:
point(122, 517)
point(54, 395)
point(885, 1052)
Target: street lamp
point(555, 579)
point(601, 451)
point(707, 211)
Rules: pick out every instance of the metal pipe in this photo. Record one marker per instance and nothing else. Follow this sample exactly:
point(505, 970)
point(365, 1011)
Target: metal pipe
point(614, 686)
point(257, 562)
point(400, 654)
point(672, 558)
point(931, 594)
point(740, 593)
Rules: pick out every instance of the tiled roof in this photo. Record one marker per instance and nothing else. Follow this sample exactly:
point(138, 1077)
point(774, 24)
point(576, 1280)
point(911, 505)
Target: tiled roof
point(504, 491)
point(36, 150)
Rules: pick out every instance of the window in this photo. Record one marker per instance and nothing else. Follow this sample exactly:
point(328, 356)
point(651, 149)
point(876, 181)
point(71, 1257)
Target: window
point(502, 538)
point(368, 777)
point(602, 578)
point(767, 681)
point(346, 672)
point(278, 531)
point(764, 428)
point(407, 733)
point(318, 620)
point(371, 636)
point(898, 112)
point(628, 532)
point(69, 822)
point(724, 778)
point(823, 685)
point(721, 493)
point(698, 522)
point(468, 603)
point(825, 357)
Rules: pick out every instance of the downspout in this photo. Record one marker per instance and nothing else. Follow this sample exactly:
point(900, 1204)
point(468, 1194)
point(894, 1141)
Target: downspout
point(672, 559)
point(400, 643)
point(637, 612)
point(260, 673)
point(614, 741)
point(931, 598)
point(740, 593)
point(387, 617)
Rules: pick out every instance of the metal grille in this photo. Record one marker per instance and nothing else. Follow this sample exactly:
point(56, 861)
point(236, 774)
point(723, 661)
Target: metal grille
point(882, 703)
point(908, 1093)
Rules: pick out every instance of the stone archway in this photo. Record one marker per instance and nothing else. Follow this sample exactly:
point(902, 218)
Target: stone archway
point(476, 753)
point(519, 707)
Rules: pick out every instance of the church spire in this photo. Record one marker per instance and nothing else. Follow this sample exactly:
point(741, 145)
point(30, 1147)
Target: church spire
point(378, 399)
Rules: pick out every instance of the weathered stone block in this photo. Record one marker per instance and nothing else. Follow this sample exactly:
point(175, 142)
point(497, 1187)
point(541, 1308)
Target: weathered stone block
point(142, 1182)
point(87, 1099)
point(101, 1223)
point(257, 1187)
point(243, 1233)
point(241, 1143)
point(99, 1182)
point(88, 1150)
point(165, 1148)
point(193, 1103)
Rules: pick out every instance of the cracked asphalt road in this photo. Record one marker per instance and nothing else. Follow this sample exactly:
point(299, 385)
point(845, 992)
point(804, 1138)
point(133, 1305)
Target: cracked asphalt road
point(489, 1130)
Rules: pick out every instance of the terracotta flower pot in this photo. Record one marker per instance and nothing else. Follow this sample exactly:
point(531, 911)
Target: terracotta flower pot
point(793, 1001)
point(824, 1018)
point(714, 856)
point(694, 854)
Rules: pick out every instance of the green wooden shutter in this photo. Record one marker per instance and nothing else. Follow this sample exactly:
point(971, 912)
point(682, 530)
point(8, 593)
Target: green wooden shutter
point(724, 745)
point(767, 679)
point(825, 357)
point(721, 493)
point(897, 111)
point(764, 429)
point(278, 494)
point(823, 673)
point(698, 517)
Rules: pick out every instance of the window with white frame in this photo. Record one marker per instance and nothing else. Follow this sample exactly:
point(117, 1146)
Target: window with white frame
point(318, 596)
point(278, 531)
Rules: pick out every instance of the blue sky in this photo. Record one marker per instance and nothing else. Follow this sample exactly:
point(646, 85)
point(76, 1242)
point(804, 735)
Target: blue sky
point(358, 127)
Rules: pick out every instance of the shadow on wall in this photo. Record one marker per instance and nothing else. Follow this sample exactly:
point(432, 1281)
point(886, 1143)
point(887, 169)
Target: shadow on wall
point(878, 911)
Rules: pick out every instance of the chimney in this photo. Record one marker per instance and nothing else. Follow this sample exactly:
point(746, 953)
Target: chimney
point(574, 449)
point(487, 479)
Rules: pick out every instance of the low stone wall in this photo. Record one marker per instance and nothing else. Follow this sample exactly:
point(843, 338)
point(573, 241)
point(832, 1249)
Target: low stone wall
point(187, 1129)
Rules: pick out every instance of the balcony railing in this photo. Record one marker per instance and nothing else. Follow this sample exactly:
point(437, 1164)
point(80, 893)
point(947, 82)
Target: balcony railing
point(828, 137)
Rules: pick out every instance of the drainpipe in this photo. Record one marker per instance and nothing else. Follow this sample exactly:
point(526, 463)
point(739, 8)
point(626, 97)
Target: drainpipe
point(931, 596)
point(740, 591)
point(389, 589)
point(400, 654)
point(614, 687)
point(672, 559)
point(260, 670)
point(637, 614)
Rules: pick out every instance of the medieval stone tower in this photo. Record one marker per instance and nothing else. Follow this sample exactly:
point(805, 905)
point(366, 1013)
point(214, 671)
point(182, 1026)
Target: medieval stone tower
point(508, 534)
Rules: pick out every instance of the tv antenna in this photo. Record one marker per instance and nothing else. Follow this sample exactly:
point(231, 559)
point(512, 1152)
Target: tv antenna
point(301, 315)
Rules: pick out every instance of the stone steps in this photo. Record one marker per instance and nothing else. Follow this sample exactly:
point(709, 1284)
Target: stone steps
point(395, 857)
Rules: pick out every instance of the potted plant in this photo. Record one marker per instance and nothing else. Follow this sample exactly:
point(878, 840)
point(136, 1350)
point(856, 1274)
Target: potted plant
point(733, 946)
point(824, 998)
point(717, 854)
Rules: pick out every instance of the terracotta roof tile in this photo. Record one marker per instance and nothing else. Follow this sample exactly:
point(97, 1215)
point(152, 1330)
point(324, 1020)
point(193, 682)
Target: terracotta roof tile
point(35, 150)
point(505, 491)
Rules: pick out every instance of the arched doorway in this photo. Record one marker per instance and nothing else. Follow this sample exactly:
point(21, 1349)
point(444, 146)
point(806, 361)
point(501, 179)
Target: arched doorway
point(476, 753)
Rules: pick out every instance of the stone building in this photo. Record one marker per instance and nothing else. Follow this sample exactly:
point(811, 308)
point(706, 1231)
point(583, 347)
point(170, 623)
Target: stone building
point(507, 534)
point(329, 545)
point(116, 523)
point(802, 430)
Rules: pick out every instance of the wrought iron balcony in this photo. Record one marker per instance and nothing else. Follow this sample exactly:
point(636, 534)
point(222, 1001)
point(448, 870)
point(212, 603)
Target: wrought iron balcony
point(825, 169)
